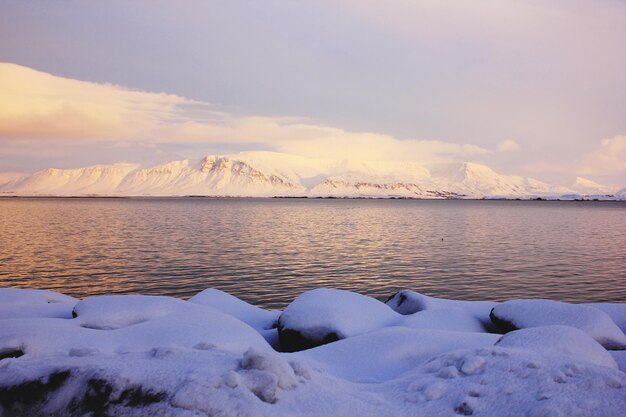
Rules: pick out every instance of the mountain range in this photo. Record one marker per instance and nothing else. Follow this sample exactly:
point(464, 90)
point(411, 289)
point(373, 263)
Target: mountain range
point(269, 174)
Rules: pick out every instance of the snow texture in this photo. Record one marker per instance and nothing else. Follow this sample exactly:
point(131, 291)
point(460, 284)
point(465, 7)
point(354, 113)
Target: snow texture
point(161, 356)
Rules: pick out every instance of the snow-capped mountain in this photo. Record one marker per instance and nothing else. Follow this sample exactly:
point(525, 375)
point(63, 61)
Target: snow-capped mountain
point(479, 180)
point(257, 174)
point(215, 175)
point(585, 186)
point(99, 179)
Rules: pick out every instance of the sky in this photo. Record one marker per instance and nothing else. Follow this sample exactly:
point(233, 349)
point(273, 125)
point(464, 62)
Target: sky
point(534, 88)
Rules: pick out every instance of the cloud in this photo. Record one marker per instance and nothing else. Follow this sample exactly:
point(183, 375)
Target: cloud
point(508, 145)
point(609, 159)
point(39, 107)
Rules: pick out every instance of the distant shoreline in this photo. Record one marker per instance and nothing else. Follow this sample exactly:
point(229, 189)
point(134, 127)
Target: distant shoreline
point(147, 197)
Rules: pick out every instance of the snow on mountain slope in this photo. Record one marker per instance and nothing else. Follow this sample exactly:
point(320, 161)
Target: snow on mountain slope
point(228, 173)
point(476, 180)
point(357, 184)
point(312, 171)
point(99, 179)
point(587, 187)
point(215, 175)
point(7, 178)
point(257, 174)
point(379, 179)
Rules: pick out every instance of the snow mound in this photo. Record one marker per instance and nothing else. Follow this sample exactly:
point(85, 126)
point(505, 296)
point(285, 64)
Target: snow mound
point(617, 312)
point(53, 310)
point(22, 296)
point(455, 319)
point(386, 353)
point(254, 316)
point(619, 356)
point(124, 323)
point(500, 381)
point(559, 341)
point(162, 356)
point(519, 314)
point(409, 302)
point(109, 312)
point(20, 303)
point(324, 315)
point(267, 374)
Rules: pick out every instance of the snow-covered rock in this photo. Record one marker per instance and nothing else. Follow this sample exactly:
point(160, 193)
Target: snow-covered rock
point(616, 311)
point(29, 297)
point(19, 303)
point(162, 356)
point(254, 316)
point(52, 310)
point(559, 341)
point(264, 321)
point(409, 302)
point(125, 323)
point(324, 315)
point(520, 314)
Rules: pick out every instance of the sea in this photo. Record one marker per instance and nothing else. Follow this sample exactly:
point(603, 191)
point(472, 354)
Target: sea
point(268, 250)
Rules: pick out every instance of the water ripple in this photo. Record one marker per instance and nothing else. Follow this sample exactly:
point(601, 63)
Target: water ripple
point(267, 251)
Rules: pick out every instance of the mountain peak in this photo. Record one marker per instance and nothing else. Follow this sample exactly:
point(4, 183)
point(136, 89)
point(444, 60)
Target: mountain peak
point(474, 171)
point(581, 181)
point(587, 186)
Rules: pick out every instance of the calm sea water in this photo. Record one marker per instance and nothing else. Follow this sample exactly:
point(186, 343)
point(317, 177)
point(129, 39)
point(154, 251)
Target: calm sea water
point(267, 251)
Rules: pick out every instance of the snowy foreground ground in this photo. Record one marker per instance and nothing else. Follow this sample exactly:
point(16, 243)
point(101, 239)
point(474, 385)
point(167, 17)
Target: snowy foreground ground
point(216, 355)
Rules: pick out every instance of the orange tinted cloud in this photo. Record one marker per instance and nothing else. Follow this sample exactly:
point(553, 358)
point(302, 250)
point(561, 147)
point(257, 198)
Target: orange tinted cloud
point(35, 104)
point(39, 106)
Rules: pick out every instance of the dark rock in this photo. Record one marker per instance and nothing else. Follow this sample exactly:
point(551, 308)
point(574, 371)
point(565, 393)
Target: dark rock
point(98, 397)
point(501, 324)
point(293, 341)
point(137, 396)
point(11, 353)
point(464, 409)
point(401, 298)
point(93, 397)
point(20, 399)
point(406, 302)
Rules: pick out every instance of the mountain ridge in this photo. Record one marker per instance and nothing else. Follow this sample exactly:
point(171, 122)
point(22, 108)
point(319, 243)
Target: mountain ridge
point(270, 174)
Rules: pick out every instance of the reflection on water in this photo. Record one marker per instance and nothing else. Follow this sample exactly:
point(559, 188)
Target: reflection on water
point(267, 251)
